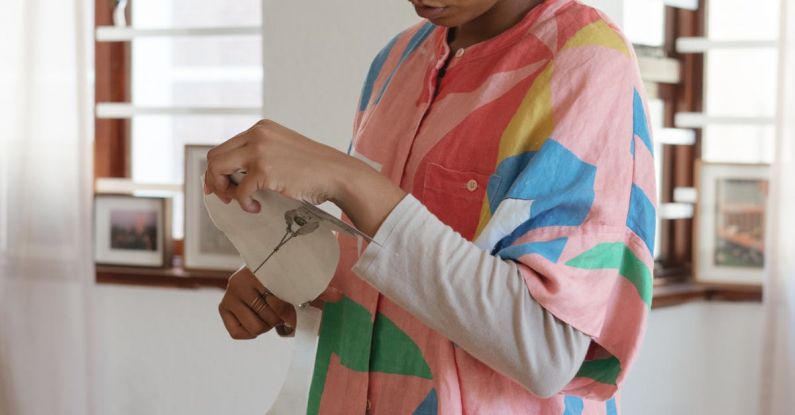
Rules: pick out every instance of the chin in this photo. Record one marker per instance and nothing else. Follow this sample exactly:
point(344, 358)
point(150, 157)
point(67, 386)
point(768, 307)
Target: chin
point(448, 21)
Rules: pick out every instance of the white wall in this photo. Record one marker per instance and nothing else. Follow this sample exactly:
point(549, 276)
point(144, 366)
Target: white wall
point(316, 55)
point(165, 351)
point(700, 358)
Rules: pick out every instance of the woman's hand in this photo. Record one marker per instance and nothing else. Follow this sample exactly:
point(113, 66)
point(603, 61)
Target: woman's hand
point(274, 158)
point(279, 159)
point(248, 309)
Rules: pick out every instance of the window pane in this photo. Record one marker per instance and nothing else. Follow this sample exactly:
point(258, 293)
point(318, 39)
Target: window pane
point(195, 13)
point(204, 71)
point(741, 82)
point(157, 150)
point(159, 141)
point(743, 19)
point(738, 144)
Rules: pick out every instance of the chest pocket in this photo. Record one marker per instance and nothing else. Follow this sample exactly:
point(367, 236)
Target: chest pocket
point(456, 197)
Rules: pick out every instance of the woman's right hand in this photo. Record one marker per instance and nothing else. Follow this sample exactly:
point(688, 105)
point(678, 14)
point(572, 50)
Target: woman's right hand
point(248, 309)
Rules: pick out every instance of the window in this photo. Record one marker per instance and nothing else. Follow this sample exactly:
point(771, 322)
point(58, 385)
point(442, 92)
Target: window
point(740, 81)
point(195, 77)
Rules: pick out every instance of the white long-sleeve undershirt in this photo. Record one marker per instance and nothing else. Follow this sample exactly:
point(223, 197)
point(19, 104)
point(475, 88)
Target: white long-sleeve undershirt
point(475, 299)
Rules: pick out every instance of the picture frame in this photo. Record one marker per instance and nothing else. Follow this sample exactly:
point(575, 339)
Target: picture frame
point(730, 223)
point(132, 230)
point(205, 247)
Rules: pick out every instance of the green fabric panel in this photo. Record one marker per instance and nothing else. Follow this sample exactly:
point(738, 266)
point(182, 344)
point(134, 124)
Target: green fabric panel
point(395, 352)
point(351, 342)
point(618, 256)
point(602, 371)
point(346, 331)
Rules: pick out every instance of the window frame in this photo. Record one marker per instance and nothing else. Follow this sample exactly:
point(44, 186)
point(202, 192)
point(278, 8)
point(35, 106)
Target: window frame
point(112, 84)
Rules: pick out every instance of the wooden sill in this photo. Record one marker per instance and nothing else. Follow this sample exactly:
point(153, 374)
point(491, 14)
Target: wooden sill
point(176, 276)
point(666, 293)
point(671, 294)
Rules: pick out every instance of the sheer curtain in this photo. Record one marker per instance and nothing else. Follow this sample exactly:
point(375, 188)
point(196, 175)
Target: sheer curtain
point(45, 208)
point(778, 367)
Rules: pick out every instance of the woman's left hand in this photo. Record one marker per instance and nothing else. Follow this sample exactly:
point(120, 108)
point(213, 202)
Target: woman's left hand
point(274, 158)
point(279, 159)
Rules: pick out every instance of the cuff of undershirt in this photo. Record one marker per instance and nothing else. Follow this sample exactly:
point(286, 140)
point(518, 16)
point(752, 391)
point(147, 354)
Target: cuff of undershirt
point(376, 264)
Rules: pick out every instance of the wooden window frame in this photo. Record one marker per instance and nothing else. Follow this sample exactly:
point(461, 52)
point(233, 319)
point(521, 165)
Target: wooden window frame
point(676, 250)
point(112, 84)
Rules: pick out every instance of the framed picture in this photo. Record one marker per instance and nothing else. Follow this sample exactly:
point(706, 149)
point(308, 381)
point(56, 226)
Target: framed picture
point(130, 230)
point(206, 247)
point(730, 223)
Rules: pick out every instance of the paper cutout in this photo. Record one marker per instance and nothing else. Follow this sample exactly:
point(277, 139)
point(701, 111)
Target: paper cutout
point(291, 248)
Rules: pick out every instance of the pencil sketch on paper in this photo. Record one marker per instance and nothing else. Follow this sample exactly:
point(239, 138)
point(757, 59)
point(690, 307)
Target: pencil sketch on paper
point(305, 222)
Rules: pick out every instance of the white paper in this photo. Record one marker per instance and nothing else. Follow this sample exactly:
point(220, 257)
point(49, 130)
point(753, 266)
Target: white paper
point(294, 395)
point(298, 272)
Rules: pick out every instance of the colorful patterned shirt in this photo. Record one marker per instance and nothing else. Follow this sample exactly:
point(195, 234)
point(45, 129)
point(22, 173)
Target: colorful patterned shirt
point(535, 145)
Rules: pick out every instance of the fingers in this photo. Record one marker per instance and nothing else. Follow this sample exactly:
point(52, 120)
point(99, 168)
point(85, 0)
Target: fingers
point(244, 311)
point(253, 323)
point(231, 144)
point(262, 309)
point(221, 165)
point(284, 310)
point(233, 326)
point(244, 191)
point(218, 185)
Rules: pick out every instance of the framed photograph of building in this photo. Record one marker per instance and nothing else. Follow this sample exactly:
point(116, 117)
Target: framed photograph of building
point(130, 230)
point(730, 223)
point(206, 248)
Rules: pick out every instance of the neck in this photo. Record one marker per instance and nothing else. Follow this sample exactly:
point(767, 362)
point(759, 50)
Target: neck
point(499, 18)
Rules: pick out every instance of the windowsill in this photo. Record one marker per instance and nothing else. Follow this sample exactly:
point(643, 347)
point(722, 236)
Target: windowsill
point(176, 276)
point(666, 294)
point(677, 293)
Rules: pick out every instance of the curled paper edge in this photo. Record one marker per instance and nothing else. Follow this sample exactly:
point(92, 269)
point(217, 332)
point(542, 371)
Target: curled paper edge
point(293, 397)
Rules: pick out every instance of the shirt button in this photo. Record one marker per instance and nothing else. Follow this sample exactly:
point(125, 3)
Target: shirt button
point(369, 405)
point(472, 185)
point(459, 53)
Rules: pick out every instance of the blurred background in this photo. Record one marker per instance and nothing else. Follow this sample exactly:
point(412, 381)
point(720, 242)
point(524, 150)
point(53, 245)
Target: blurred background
point(110, 275)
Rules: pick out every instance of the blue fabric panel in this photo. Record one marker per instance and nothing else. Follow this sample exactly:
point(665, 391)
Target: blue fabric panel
point(375, 70)
point(642, 217)
point(415, 42)
point(574, 405)
point(508, 170)
point(550, 250)
point(640, 126)
point(561, 187)
point(611, 407)
point(428, 406)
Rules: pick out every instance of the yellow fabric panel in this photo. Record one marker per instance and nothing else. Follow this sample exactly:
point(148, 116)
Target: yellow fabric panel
point(598, 34)
point(531, 125)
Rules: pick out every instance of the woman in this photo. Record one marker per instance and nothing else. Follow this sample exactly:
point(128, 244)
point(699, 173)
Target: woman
point(502, 159)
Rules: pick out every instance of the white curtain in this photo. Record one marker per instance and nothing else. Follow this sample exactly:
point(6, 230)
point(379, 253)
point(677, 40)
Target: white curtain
point(46, 269)
point(778, 362)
